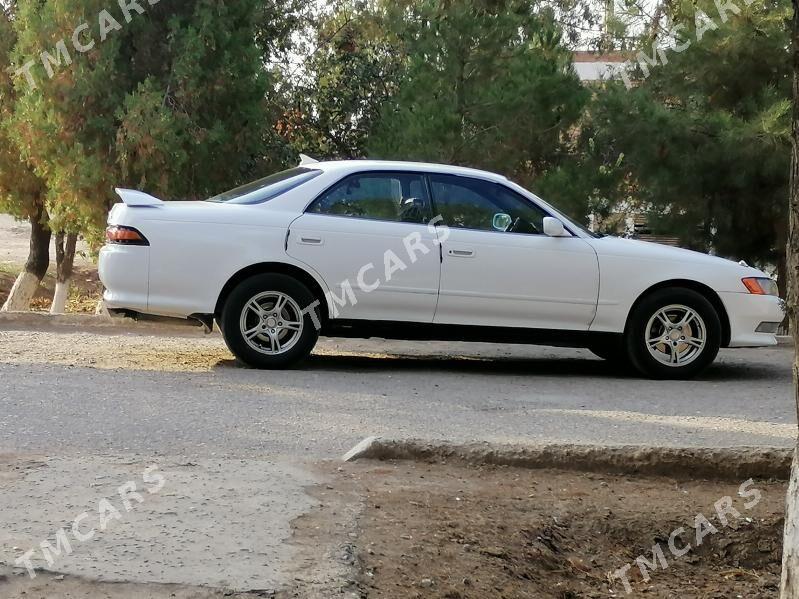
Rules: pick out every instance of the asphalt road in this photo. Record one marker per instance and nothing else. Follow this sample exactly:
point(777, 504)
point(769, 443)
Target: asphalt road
point(82, 413)
point(186, 396)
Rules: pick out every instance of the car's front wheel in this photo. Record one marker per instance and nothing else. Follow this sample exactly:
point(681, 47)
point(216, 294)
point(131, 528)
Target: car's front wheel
point(268, 321)
point(673, 333)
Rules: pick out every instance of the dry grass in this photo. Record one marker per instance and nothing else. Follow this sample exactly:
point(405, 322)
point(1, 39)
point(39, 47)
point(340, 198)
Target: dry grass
point(84, 294)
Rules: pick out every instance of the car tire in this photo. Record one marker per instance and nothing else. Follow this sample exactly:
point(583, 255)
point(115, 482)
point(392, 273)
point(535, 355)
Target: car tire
point(269, 321)
point(673, 333)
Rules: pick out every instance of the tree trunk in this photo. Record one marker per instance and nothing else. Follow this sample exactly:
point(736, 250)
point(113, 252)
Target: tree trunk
point(782, 287)
point(65, 259)
point(781, 234)
point(35, 268)
point(782, 283)
point(789, 585)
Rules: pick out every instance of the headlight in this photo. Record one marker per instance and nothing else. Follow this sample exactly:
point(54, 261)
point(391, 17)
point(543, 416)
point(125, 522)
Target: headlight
point(761, 286)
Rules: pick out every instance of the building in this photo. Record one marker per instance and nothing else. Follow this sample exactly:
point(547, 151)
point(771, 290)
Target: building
point(593, 66)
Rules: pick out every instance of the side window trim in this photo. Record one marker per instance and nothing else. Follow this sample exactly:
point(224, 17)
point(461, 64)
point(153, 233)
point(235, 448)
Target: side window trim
point(547, 212)
point(504, 187)
point(434, 212)
point(422, 176)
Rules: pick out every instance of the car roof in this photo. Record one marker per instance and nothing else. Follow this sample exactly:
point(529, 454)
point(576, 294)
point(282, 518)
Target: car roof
point(397, 165)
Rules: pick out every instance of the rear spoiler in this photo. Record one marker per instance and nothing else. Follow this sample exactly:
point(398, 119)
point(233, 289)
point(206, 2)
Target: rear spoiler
point(138, 198)
point(306, 160)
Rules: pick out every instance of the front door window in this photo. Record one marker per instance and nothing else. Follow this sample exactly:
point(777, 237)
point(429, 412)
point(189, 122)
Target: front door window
point(480, 205)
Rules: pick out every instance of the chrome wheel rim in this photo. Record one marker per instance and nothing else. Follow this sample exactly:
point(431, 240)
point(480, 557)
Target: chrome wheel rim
point(271, 323)
point(675, 335)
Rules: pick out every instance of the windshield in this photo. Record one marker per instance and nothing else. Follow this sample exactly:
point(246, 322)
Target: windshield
point(267, 188)
point(584, 229)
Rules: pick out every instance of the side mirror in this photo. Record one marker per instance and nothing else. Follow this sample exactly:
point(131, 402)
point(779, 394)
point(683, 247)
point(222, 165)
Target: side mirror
point(554, 228)
point(502, 221)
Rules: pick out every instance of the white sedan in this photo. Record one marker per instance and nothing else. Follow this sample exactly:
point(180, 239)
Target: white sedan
point(422, 251)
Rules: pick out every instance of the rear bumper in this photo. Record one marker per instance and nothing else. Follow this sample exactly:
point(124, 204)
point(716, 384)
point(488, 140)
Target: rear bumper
point(124, 271)
point(746, 312)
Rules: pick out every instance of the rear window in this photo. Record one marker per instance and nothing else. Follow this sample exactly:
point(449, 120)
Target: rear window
point(267, 188)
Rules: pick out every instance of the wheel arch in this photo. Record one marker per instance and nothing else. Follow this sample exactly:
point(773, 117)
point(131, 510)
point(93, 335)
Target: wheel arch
point(707, 292)
point(273, 268)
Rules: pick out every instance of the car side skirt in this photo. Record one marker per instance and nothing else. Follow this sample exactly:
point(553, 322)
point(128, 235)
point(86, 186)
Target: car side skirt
point(362, 329)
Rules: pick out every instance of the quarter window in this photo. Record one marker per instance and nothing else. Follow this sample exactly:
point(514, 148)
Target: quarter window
point(398, 197)
point(467, 203)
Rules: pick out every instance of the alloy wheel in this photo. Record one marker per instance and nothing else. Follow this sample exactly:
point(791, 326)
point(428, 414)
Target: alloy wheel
point(675, 335)
point(271, 323)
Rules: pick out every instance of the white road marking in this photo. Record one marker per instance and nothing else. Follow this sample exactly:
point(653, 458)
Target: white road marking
point(731, 425)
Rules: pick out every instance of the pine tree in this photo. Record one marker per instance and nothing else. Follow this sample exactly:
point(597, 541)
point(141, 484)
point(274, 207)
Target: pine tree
point(703, 140)
point(22, 193)
point(175, 100)
point(485, 84)
point(339, 89)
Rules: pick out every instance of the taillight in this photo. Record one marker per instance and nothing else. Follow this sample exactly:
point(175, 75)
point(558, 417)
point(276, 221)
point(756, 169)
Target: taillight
point(125, 236)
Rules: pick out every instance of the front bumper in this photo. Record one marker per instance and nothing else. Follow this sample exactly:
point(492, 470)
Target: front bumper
point(746, 313)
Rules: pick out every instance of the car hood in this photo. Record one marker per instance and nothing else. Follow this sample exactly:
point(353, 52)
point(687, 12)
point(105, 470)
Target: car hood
point(646, 250)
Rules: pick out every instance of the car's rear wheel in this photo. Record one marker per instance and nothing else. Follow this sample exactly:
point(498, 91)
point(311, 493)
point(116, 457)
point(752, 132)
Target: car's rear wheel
point(673, 333)
point(268, 321)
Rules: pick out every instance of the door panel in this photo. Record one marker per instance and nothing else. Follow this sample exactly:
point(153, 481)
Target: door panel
point(514, 280)
point(499, 269)
point(368, 238)
point(365, 259)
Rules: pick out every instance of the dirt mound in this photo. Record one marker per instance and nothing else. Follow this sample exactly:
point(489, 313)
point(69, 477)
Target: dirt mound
point(457, 533)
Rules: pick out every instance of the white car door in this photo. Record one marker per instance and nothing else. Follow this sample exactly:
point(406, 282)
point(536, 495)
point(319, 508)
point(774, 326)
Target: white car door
point(369, 239)
point(499, 269)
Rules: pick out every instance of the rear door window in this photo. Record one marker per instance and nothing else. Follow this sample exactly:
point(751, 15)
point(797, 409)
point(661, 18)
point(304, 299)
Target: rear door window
point(396, 197)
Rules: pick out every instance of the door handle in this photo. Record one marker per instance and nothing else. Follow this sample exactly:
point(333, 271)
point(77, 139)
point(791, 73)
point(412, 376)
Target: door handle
point(461, 253)
point(310, 240)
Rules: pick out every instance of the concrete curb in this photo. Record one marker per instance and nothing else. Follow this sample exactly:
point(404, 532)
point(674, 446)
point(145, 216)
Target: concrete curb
point(42, 321)
point(727, 464)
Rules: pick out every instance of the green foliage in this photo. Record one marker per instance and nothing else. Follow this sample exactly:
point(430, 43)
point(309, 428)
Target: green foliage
point(20, 189)
point(176, 102)
point(701, 144)
point(485, 84)
point(185, 100)
point(704, 138)
point(350, 73)
point(59, 125)
point(592, 181)
point(199, 118)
